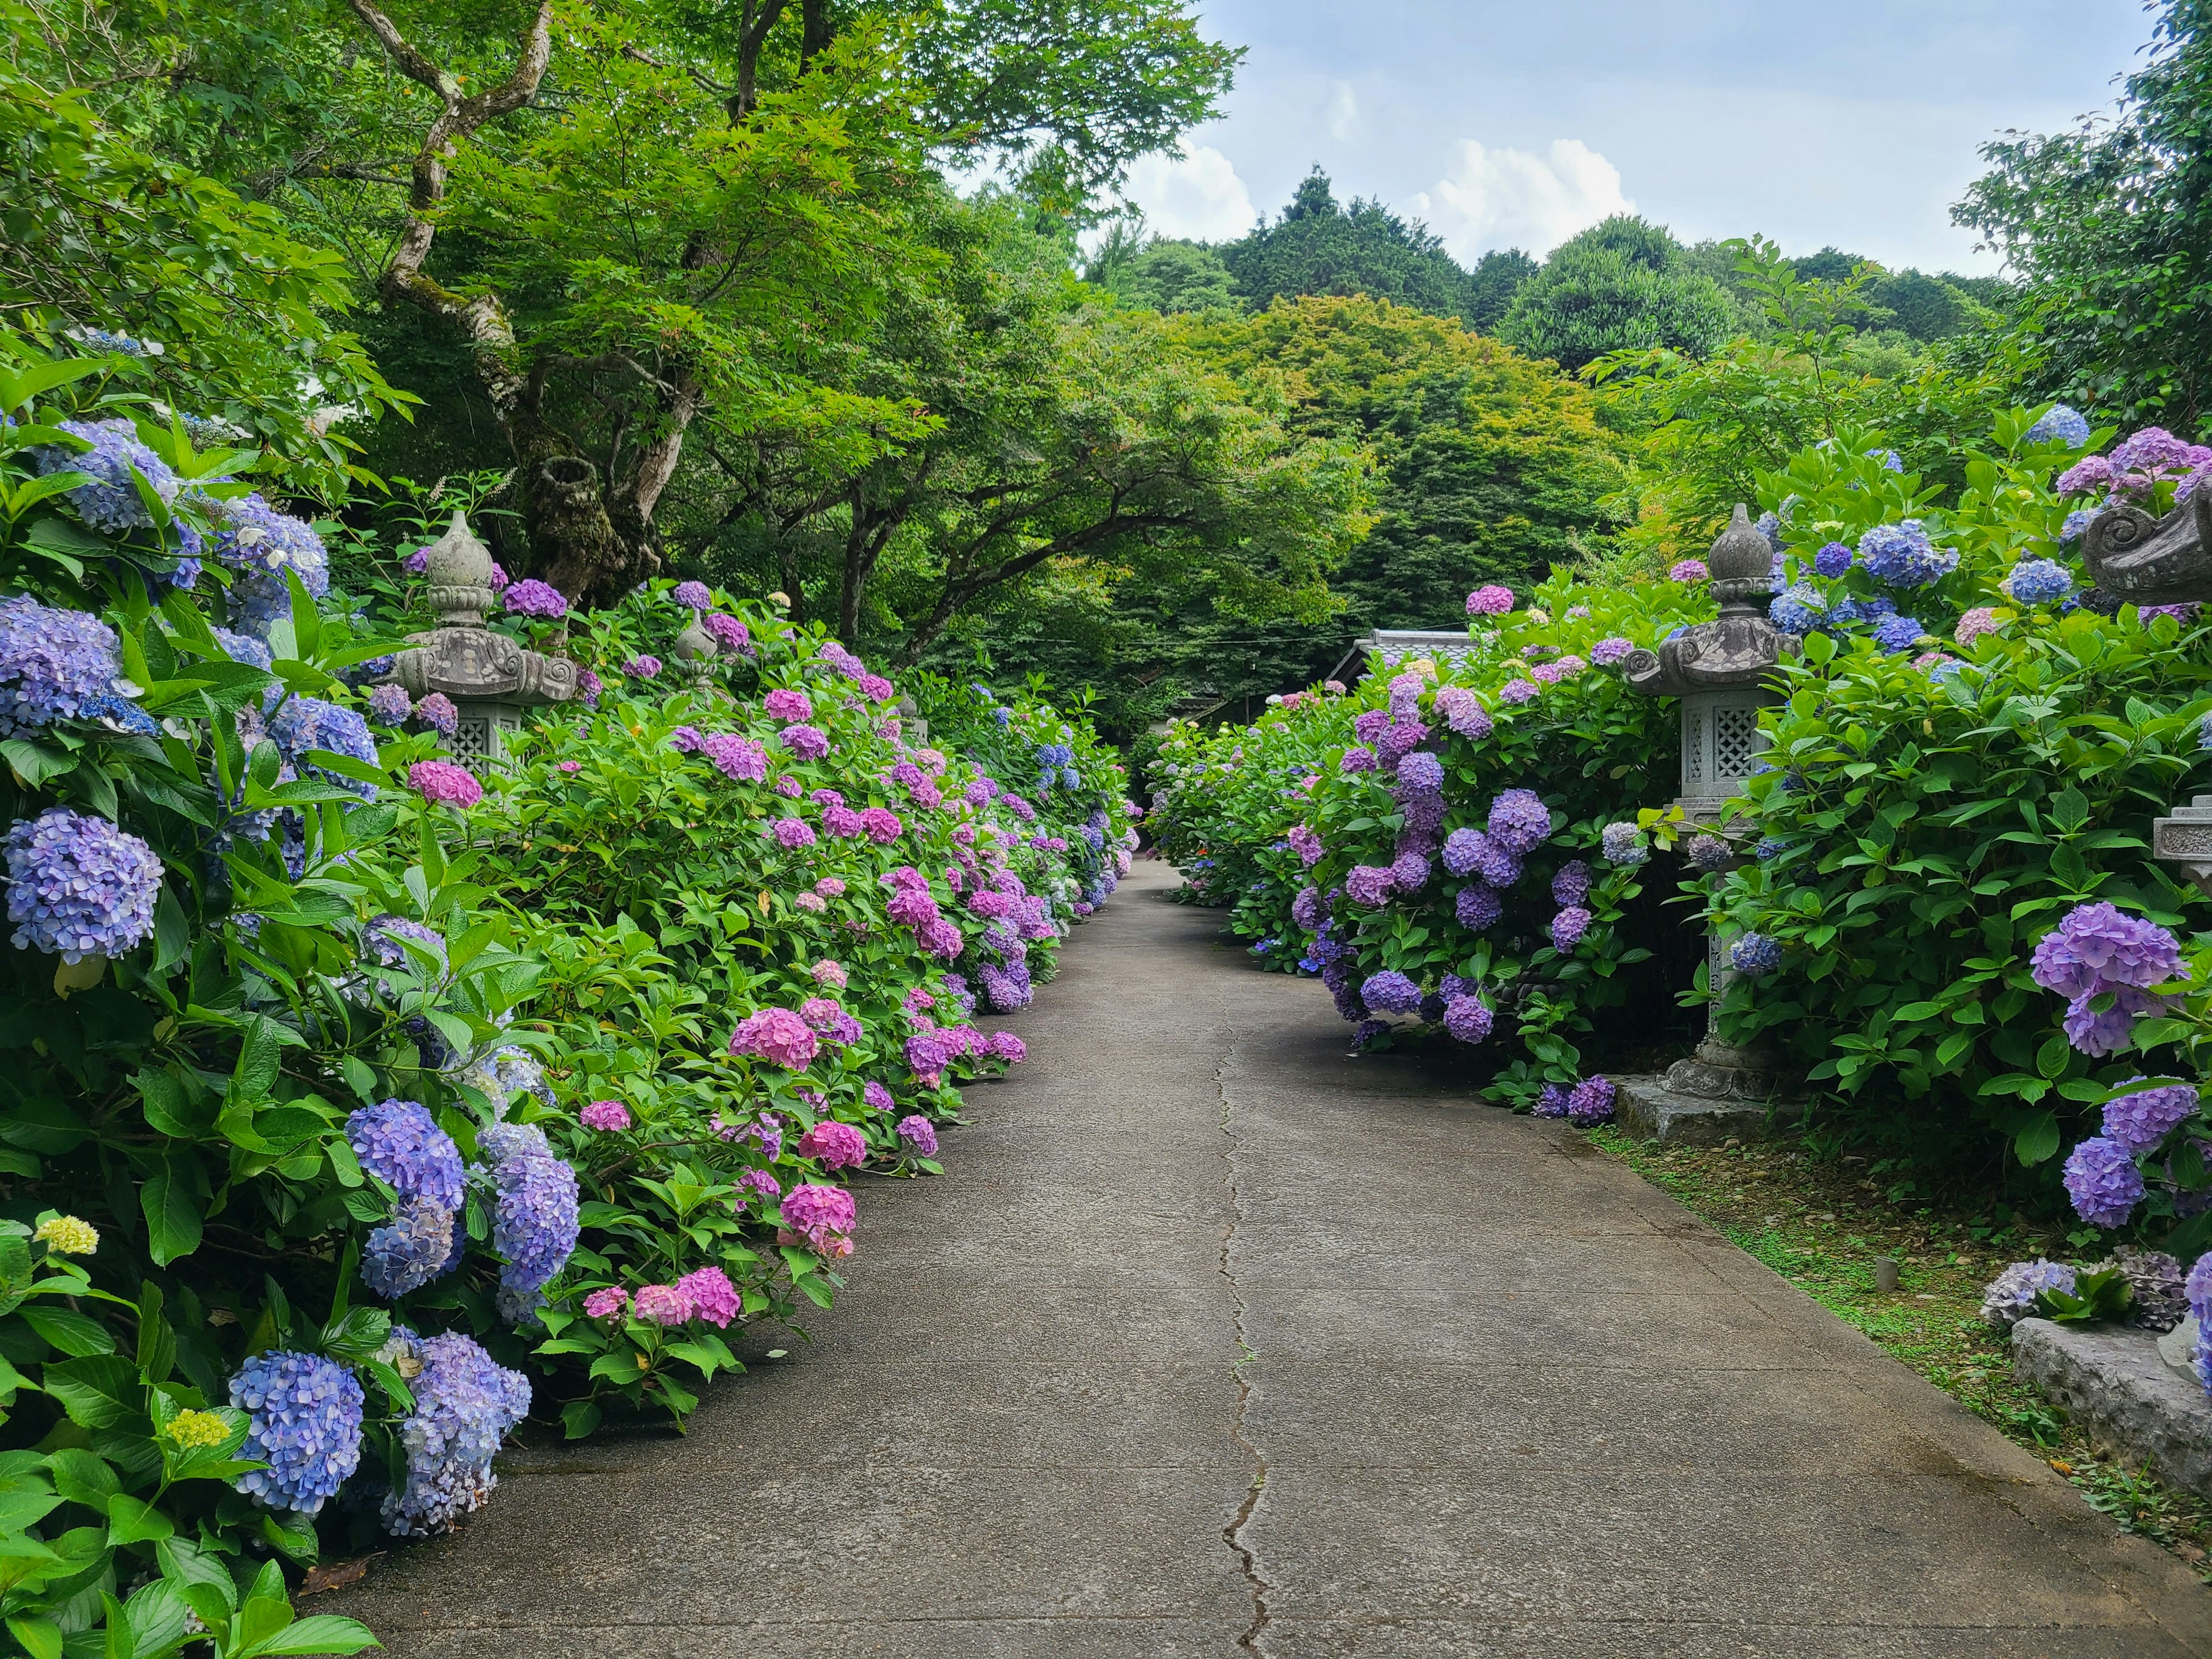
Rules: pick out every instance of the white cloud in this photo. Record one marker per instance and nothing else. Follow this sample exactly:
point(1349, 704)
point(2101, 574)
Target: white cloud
point(1343, 112)
point(1194, 193)
point(1518, 198)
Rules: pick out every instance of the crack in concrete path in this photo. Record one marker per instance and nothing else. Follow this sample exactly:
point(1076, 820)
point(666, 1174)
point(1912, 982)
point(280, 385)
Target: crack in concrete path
point(1233, 1533)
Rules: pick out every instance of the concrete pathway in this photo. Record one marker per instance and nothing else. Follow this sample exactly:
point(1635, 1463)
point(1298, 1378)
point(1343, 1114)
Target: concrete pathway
point(1216, 1342)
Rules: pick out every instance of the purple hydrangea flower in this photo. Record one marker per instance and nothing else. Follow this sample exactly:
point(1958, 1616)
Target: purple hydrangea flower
point(399, 1143)
point(420, 1243)
point(1369, 884)
point(1590, 1102)
point(1897, 634)
point(110, 502)
point(643, 667)
point(2140, 1120)
point(303, 725)
point(1569, 927)
point(1799, 609)
point(466, 1404)
point(2104, 1183)
point(2040, 582)
point(918, 1135)
point(2100, 1031)
point(1572, 885)
point(388, 705)
point(534, 1215)
point(2097, 946)
point(1709, 854)
point(1467, 1019)
point(1551, 1102)
point(78, 886)
point(1409, 872)
point(1612, 652)
point(1479, 907)
point(1832, 560)
point(1518, 691)
point(694, 596)
point(1463, 851)
point(1519, 821)
point(1390, 992)
point(1491, 600)
point(1421, 771)
point(532, 597)
point(258, 545)
point(730, 634)
point(304, 1424)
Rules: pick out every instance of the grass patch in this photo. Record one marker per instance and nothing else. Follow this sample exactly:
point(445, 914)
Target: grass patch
point(1822, 1224)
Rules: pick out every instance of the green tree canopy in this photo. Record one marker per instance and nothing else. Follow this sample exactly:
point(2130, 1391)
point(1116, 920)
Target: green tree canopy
point(1167, 275)
point(1318, 247)
point(1621, 284)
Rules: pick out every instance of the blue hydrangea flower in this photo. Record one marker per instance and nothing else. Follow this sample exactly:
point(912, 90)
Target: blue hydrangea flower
point(1755, 956)
point(419, 1245)
point(1479, 907)
point(1902, 555)
point(1421, 771)
point(1897, 634)
point(1890, 459)
point(301, 723)
point(1770, 847)
point(2076, 523)
point(1622, 846)
point(111, 502)
point(306, 1426)
point(2040, 582)
point(54, 665)
point(1799, 609)
point(1864, 610)
point(466, 1404)
point(2059, 425)
point(1519, 821)
point(78, 886)
point(258, 545)
point(244, 647)
point(2010, 1296)
point(1832, 560)
point(400, 1143)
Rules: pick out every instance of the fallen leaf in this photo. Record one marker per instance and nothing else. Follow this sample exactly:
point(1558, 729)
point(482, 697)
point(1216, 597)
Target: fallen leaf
point(336, 1576)
point(2062, 1465)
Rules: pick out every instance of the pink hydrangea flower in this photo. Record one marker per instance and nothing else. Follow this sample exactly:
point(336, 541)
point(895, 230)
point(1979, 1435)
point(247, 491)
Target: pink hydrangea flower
point(1982, 619)
point(831, 887)
point(1688, 570)
point(787, 706)
point(1005, 1045)
point(572, 767)
point(643, 667)
point(713, 1297)
point(820, 1014)
point(839, 1146)
point(822, 1218)
point(1518, 691)
point(812, 903)
point(606, 1115)
point(807, 742)
point(830, 974)
point(444, 784)
point(1490, 600)
point(605, 1304)
point(777, 1036)
point(662, 1304)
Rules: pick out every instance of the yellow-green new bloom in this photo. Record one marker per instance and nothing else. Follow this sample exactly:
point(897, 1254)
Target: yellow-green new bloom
point(193, 1430)
point(68, 1235)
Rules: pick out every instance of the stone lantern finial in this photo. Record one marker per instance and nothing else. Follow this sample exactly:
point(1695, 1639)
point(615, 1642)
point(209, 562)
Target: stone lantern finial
point(457, 571)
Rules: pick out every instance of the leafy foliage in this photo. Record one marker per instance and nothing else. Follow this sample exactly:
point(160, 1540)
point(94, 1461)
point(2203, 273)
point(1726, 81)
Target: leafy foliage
point(1619, 285)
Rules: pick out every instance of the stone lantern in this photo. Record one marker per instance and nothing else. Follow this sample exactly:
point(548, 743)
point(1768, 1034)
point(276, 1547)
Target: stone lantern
point(2137, 559)
point(490, 678)
point(1722, 673)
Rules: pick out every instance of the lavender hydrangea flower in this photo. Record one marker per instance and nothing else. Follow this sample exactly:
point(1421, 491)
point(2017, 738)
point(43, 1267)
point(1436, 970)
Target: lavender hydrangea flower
point(1832, 560)
point(54, 665)
point(389, 705)
point(532, 597)
point(1897, 634)
point(439, 713)
point(2138, 1121)
point(2010, 1296)
point(2076, 523)
point(1479, 907)
point(534, 1218)
point(110, 502)
point(1709, 854)
point(78, 886)
point(2104, 1183)
point(1519, 821)
point(1799, 609)
point(1467, 1020)
point(1568, 927)
point(302, 725)
point(1391, 992)
point(466, 1404)
point(1572, 885)
point(399, 1143)
point(694, 596)
point(919, 1134)
point(1421, 771)
point(2100, 1031)
point(1551, 1102)
point(2040, 582)
point(1611, 651)
point(1369, 884)
point(305, 1424)
point(1464, 849)
point(1902, 555)
point(1409, 872)
point(1496, 866)
point(2059, 424)
point(1755, 956)
point(1518, 691)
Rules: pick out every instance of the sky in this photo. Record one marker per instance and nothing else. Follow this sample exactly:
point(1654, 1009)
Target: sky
point(1517, 122)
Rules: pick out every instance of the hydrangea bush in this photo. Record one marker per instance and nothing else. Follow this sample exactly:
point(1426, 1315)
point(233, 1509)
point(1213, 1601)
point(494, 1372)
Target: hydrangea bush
point(362, 1104)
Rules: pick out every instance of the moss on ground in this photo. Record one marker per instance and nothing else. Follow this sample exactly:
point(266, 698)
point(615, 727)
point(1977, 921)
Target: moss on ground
point(1820, 1223)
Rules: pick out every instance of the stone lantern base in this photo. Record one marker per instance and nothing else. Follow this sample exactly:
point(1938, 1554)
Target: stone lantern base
point(1648, 1108)
point(485, 730)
